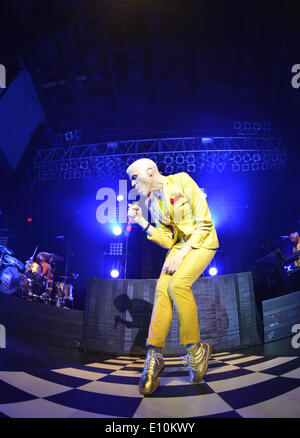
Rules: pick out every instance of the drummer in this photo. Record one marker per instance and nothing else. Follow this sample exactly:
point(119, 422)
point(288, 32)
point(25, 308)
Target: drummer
point(43, 261)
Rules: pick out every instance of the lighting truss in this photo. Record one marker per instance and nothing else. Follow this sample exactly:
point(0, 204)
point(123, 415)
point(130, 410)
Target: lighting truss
point(186, 154)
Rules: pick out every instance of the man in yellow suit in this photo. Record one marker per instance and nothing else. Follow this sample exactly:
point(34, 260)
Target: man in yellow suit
point(184, 226)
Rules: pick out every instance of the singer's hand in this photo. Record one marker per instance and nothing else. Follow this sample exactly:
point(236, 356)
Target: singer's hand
point(135, 213)
point(172, 263)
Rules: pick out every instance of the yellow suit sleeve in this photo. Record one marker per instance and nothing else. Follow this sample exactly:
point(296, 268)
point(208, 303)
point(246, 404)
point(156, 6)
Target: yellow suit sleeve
point(162, 235)
point(200, 211)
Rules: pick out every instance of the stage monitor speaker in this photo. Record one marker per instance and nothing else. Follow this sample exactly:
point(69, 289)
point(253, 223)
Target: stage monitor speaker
point(270, 280)
point(279, 316)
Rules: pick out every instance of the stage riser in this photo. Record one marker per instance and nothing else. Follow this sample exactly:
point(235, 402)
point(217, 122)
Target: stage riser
point(226, 309)
point(225, 304)
point(41, 322)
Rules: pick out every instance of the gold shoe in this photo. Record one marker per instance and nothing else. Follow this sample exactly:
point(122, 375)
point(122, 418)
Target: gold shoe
point(197, 361)
point(154, 364)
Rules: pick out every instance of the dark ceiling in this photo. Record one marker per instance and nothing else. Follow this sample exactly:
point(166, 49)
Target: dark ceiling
point(150, 68)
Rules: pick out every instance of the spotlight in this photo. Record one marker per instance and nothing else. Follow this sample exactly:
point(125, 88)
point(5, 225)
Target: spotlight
point(220, 166)
point(117, 230)
point(207, 140)
point(190, 159)
point(77, 174)
point(237, 158)
point(191, 168)
point(120, 198)
point(69, 136)
point(247, 158)
point(169, 169)
point(84, 164)
point(180, 159)
point(255, 166)
point(114, 273)
point(168, 159)
point(213, 271)
point(64, 166)
point(73, 165)
point(87, 173)
point(245, 167)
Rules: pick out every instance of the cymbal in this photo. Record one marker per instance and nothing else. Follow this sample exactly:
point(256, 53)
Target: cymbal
point(14, 262)
point(48, 255)
point(6, 250)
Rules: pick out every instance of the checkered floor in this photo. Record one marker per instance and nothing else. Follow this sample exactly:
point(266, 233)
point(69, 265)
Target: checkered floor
point(236, 385)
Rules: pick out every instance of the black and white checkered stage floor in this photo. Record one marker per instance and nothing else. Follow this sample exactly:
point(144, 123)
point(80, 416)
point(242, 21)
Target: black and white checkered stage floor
point(236, 385)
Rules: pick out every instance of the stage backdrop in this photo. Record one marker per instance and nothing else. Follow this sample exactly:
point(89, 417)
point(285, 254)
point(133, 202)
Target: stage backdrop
point(118, 312)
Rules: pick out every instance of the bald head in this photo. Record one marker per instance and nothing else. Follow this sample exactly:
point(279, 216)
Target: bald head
point(144, 176)
point(143, 165)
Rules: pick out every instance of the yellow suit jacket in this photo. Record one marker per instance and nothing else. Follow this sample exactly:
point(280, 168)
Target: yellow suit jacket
point(185, 216)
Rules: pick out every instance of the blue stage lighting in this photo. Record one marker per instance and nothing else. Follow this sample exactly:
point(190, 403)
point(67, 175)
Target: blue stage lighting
point(117, 230)
point(213, 271)
point(114, 273)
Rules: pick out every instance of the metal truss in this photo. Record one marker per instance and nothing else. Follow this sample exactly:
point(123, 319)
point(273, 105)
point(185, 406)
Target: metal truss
point(158, 146)
point(189, 154)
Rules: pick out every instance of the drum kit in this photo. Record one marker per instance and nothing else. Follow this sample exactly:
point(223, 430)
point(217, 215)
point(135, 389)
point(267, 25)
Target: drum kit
point(38, 279)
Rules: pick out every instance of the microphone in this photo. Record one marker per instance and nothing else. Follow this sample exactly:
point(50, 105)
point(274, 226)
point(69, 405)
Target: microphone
point(130, 221)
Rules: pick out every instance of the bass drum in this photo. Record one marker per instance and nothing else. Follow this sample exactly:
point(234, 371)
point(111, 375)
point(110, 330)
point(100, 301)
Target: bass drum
point(9, 280)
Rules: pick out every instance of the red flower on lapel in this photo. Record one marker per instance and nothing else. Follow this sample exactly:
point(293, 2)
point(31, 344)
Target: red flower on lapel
point(177, 197)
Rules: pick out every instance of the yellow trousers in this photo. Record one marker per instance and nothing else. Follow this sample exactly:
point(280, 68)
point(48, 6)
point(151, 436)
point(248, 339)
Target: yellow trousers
point(177, 288)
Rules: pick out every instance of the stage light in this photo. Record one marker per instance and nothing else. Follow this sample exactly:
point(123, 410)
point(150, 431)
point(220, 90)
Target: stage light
point(190, 159)
point(247, 158)
point(69, 135)
point(116, 249)
point(114, 273)
point(168, 159)
point(220, 166)
point(29, 219)
point(73, 165)
point(76, 174)
point(180, 159)
point(87, 173)
point(191, 168)
point(169, 169)
point(120, 198)
point(213, 271)
point(64, 167)
point(237, 158)
point(117, 230)
point(256, 157)
point(84, 164)
point(245, 167)
point(207, 140)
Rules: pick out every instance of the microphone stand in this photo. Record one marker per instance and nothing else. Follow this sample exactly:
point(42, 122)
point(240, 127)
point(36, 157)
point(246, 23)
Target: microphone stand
point(67, 244)
point(66, 269)
point(126, 249)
